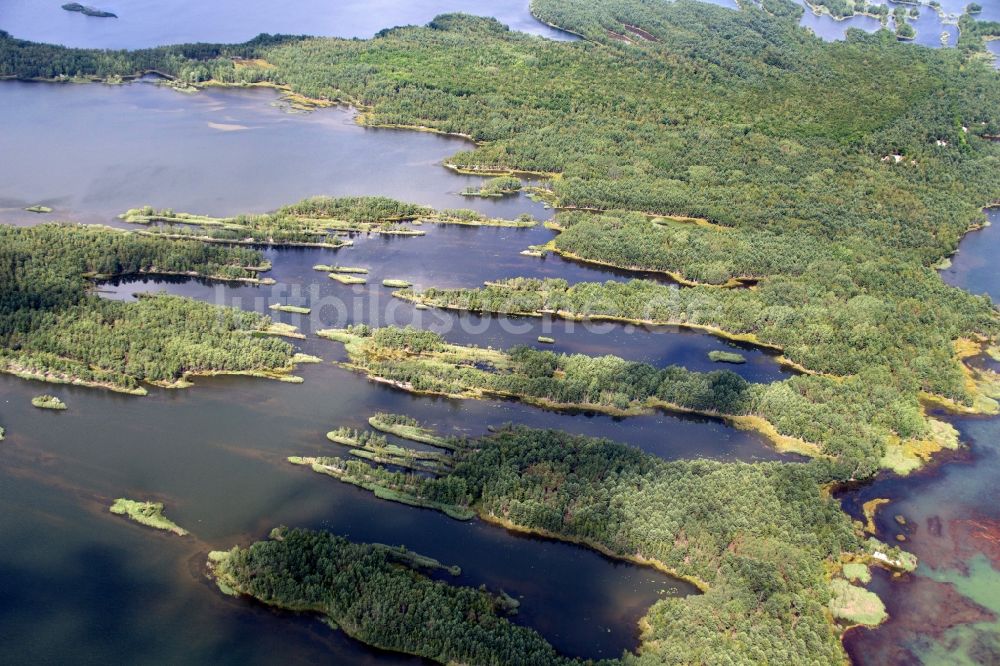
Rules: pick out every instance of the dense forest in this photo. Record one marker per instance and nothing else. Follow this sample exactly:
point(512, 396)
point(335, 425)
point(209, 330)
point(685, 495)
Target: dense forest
point(52, 326)
point(762, 539)
point(852, 420)
point(380, 599)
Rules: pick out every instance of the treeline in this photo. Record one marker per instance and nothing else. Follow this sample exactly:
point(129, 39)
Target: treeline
point(830, 324)
point(378, 598)
point(29, 60)
point(853, 420)
point(760, 536)
point(50, 323)
point(313, 221)
point(845, 8)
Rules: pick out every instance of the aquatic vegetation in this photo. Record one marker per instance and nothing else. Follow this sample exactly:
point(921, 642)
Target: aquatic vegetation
point(396, 284)
point(346, 278)
point(38, 209)
point(48, 402)
point(726, 357)
point(546, 340)
point(375, 594)
point(295, 309)
point(410, 428)
point(149, 514)
point(339, 269)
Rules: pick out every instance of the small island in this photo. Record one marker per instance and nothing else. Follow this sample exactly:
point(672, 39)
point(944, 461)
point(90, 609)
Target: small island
point(726, 357)
point(339, 269)
point(544, 339)
point(409, 428)
point(38, 209)
point(397, 284)
point(346, 278)
point(88, 11)
point(46, 401)
point(294, 309)
point(495, 187)
point(149, 514)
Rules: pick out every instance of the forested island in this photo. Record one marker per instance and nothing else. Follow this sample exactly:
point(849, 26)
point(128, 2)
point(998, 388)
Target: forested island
point(55, 329)
point(88, 11)
point(313, 222)
point(763, 541)
point(740, 150)
point(378, 595)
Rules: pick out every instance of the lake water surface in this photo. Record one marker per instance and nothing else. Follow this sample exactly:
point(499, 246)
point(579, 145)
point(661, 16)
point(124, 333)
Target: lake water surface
point(78, 585)
point(145, 24)
point(91, 152)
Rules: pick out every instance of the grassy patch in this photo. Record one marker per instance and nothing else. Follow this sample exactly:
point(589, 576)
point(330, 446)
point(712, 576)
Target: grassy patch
point(409, 428)
point(149, 514)
point(857, 571)
point(345, 278)
point(295, 309)
point(48, 402)
point(726, 357)
point(855, 604)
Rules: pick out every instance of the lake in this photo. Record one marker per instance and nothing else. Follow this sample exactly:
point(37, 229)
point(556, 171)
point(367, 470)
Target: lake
point(146, 24)
point(80, 585)
point(91, 152)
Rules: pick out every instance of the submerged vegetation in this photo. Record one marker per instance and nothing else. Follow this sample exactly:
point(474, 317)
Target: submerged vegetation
point(48, 402)
point(149, 514)
point(54, 329)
